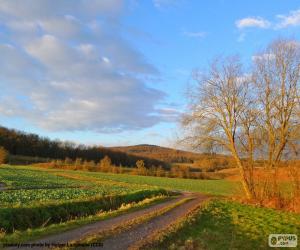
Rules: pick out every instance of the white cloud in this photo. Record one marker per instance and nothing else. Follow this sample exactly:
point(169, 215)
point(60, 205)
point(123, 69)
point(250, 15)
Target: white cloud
point(64, 69)
point(292, 19)
point(195, 34)
point(248, 22)
point(263, 57)
point(66, 26)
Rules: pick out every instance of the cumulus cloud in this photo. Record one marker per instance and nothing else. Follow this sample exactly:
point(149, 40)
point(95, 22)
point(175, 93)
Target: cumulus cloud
point(292, 19)
point(257, 22)
point(66, 66)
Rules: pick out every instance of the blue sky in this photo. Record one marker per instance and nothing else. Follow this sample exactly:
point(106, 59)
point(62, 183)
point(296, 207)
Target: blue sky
point(115, 72)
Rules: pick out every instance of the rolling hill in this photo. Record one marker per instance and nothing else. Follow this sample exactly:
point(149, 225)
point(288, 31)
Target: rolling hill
point(170, 155)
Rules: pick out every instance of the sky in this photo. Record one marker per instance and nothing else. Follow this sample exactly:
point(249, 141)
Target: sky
point(116, 72)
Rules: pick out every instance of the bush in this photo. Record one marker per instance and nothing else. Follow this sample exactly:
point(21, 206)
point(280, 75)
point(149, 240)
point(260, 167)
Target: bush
point(105, 164)
point(3, 155)
point(141, 169)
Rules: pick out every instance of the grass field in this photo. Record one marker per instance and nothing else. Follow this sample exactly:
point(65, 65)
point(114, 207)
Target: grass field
point(230, 225)
point(214, 187)
point(83, 178)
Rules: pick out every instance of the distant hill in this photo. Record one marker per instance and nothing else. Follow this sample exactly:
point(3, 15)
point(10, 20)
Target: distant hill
point(165, 154)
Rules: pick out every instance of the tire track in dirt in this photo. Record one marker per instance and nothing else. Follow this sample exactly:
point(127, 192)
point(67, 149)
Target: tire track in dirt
point(130, 236)
point(136, 237)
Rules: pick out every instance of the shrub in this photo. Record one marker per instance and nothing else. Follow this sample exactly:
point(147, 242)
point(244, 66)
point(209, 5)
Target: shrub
point(3, 155)
point(141, 169)
point(105, 164)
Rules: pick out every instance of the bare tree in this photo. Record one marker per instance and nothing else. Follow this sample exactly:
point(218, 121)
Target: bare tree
point(253, 116)
point(276, 74)
point(219, 112)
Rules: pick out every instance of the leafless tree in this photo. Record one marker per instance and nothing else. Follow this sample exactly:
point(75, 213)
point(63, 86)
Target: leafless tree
point(219, 112)
point(253, 116)
point(276, 75)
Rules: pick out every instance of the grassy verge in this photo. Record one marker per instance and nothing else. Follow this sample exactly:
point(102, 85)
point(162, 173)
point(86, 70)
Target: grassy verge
point(229, 225)
point(34, 234)
point(22, 218)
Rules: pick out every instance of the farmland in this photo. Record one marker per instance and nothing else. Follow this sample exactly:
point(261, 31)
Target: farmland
point(27, 186)
point(214, 187)
point(37, 202)
point(33, 197)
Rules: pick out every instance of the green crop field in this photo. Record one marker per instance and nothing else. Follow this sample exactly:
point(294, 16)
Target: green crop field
point(31, 197)
point(29, 186)
point(230, 225)
point(214, 187)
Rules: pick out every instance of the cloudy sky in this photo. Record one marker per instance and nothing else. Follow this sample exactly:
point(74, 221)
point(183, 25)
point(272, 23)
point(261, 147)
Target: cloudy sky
point(114, 72)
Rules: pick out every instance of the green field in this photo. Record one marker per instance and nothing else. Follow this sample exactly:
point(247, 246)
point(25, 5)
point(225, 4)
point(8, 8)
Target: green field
point(230, 225)
point(27, 186)
point(214, 187)
point(33, 197)
point(30, 186)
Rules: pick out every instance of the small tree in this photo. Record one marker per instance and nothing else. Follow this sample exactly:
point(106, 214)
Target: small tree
point(105, 164)
point(3, 155)
point(141, 169)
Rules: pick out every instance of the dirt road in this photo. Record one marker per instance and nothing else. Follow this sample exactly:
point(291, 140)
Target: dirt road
point(137, 236)
point(133, 236)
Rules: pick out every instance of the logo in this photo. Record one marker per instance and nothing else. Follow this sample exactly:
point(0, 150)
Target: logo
point(283, 240)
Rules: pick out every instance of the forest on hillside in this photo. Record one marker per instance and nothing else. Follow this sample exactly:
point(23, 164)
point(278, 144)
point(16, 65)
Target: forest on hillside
point(26, 144)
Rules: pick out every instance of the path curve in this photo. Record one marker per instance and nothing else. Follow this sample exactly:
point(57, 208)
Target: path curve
point(138, 236)
point(132, 236)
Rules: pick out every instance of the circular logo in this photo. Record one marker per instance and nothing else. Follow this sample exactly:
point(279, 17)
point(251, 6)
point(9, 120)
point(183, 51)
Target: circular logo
point(273, 240)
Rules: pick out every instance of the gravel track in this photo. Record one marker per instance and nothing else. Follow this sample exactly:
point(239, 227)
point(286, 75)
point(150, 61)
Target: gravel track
point(136, 237)
point(133, 236)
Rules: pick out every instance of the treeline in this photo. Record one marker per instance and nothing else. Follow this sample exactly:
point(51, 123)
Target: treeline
point(27, 144)
point(105, 165)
